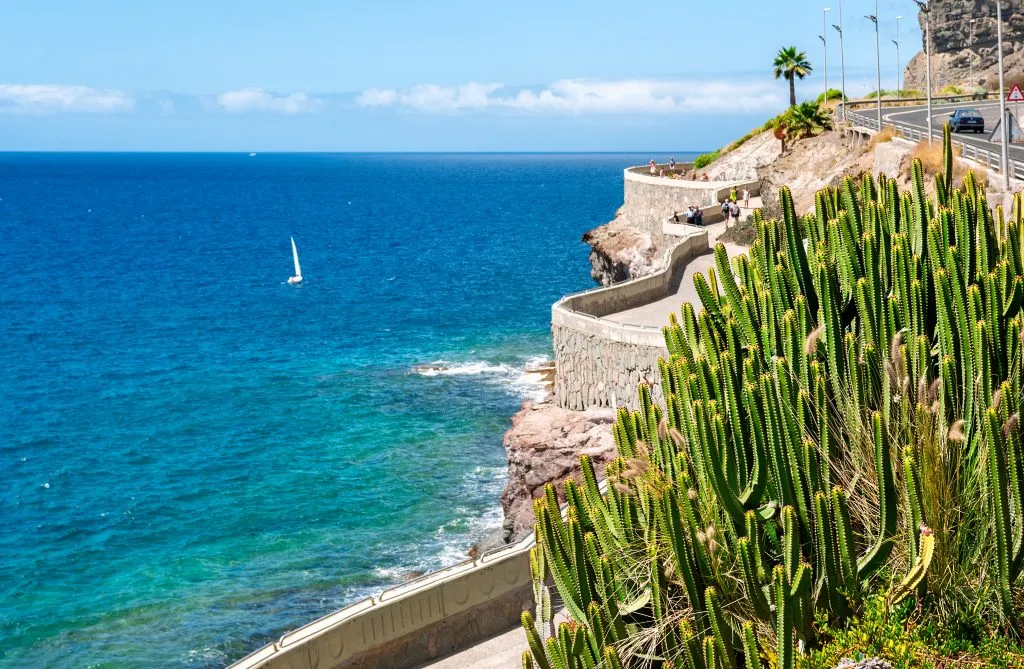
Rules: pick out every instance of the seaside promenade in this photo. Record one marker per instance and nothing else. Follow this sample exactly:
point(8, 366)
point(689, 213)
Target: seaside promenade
point(655, 314)
point(505, 650)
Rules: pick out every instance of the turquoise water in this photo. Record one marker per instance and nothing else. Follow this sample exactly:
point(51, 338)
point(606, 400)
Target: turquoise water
point(196, 456)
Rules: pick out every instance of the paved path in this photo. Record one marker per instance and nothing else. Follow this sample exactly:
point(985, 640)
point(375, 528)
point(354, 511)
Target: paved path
point(656, 314)
point(505, 650)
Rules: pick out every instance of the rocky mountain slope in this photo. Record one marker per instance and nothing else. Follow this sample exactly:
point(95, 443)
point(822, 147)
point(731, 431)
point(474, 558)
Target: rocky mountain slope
point(954, 51)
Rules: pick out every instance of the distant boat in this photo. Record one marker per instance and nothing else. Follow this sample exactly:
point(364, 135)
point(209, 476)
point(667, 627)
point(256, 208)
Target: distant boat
point(251, 155)
point(298, 270)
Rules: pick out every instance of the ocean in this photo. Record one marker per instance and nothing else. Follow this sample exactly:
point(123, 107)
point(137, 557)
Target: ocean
point(196, 456)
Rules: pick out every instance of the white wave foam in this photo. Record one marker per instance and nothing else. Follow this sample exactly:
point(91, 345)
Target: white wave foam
point(442, 368)
point(527, 381)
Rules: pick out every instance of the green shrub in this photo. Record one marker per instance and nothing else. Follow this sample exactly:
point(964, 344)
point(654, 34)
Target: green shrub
point(840, 426)
point(833, 94)
point(705, 159)
point(951, 89)
point(905, 640)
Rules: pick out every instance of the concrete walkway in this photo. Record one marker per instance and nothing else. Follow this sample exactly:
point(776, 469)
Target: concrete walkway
point(656, 314)
point(505, 650)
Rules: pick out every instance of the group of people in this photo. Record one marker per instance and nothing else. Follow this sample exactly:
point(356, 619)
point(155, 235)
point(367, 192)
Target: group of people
point(692, 216)
point(675, 171)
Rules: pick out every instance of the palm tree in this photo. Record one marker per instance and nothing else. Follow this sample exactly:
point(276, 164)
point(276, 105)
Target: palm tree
point(790, 63)
point(805, 120)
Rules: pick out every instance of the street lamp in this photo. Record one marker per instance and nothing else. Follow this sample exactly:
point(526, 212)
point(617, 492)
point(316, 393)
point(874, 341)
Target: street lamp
point(1004, 126)
point(897, 43)
point(878, 63)
point(842, 55)
point(824, 43)
point(927, 60)
point(970, 53)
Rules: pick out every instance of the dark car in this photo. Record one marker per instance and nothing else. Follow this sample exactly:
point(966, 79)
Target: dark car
point(966, 119)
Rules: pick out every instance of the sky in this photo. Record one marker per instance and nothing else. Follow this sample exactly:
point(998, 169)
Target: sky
point(433, 75)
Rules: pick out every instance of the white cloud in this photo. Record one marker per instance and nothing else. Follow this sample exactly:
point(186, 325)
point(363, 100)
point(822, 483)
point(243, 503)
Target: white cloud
point(377, 97)
point(585, 96)
point(50, 98)
point(258, 99)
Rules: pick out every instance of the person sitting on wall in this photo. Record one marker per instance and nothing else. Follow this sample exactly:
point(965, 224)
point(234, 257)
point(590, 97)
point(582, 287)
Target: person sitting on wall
point(675, 216)
point(705, 178)
point(654, 167)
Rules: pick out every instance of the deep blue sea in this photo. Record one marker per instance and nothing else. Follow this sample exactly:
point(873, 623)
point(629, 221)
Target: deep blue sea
point(196, 456)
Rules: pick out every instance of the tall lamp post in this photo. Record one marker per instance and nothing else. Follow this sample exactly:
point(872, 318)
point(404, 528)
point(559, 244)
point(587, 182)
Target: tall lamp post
point(970, 53)
point(842, 55)
point(927, 60)
point(824, 44)
point(878, 64)
point(897, 43)
point(1005, 134)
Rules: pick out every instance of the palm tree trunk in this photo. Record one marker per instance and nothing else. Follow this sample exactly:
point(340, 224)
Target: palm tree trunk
point(792, 90)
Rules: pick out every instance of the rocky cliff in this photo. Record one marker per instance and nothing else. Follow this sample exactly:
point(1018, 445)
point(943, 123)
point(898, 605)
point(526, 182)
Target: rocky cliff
point(954, 51)
point(543, 446)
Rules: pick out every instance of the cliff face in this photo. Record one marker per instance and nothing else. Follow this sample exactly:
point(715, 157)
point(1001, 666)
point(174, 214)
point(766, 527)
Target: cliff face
point(543, 446)
point(953, 49)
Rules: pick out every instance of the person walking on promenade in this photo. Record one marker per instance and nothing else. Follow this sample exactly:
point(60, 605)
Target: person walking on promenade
point(746, 198)
point(734, 209)
point(725, 212)
point(732, 195)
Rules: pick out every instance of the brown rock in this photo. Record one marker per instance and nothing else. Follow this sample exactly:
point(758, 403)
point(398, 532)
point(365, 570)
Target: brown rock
point(543, 446)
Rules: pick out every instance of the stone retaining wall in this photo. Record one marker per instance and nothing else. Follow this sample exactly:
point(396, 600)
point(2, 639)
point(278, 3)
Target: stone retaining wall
point(648, 200)
point(599, 362)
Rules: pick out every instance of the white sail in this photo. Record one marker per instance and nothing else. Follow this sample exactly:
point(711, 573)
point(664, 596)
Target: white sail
point(295, 257)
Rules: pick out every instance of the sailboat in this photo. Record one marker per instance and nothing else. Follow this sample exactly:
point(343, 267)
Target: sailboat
point(298, 270)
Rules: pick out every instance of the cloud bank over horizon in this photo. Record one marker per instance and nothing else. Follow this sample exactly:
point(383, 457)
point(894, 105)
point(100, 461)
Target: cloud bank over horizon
point(585, 96)
point(574, 97)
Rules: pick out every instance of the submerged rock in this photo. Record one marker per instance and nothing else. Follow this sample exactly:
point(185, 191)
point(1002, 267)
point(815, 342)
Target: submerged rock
point(544, 445)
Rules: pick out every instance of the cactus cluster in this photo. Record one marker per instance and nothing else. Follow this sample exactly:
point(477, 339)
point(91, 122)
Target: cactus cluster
point(841, 417)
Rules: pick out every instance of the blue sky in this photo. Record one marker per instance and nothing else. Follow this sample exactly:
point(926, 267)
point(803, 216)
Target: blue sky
point(444, 75)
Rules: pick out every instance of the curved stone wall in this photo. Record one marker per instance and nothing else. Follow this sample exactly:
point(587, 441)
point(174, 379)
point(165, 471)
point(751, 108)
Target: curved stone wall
point(599, 362)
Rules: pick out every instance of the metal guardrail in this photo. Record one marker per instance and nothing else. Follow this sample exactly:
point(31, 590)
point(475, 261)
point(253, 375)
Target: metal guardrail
point(992, 160)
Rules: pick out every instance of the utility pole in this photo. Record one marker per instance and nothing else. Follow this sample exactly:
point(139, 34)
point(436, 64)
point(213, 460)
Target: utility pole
point(878, 64)
point(927, 60)
point(897, 43)
point(1004, 126)
point(842, 55)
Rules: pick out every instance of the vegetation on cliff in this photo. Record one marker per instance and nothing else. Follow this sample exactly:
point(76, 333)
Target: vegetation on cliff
point(841, 444)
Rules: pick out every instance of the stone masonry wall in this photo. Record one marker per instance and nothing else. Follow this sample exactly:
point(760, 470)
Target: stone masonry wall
point(647, 205)
point(593, 369)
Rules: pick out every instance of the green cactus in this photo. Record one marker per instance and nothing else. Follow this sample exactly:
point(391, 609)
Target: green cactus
point(894, 330)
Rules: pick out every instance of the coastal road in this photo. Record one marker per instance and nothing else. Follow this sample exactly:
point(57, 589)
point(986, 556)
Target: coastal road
point(917, 117)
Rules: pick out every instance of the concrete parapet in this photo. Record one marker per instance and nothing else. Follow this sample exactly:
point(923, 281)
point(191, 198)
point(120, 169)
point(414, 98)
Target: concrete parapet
point(427, 618)
point(599, 362)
